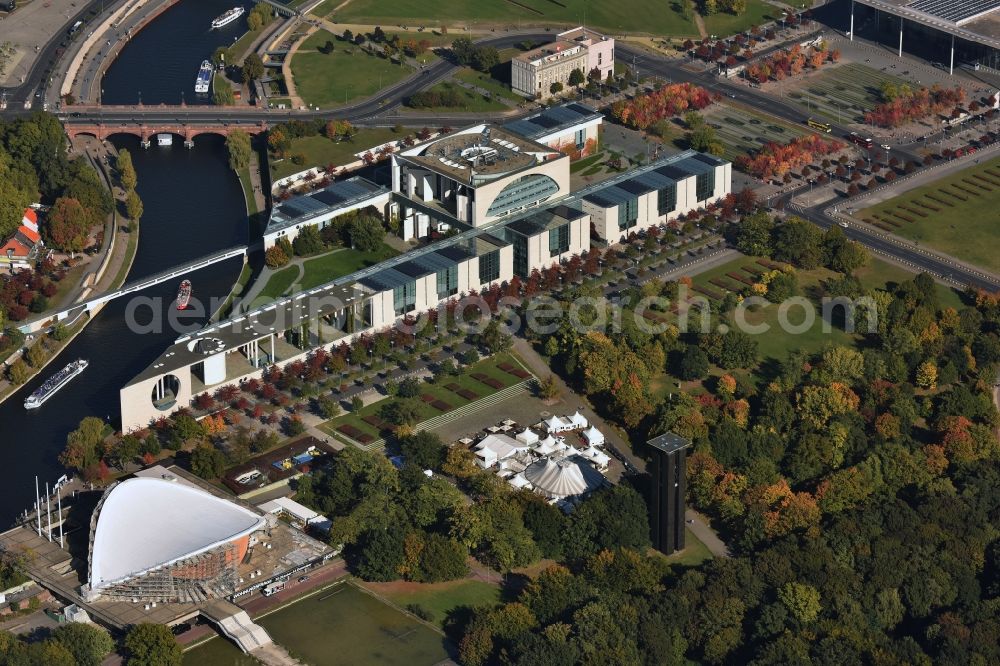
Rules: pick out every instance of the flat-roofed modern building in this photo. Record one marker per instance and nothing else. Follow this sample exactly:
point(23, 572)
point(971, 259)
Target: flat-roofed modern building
point(547, 237)
point(656, 193)
point(532, 73)
point(950, 32)
point(421, 283)
point(572, 128)
point(317, 208)
point(473, 177)
point(505, 209)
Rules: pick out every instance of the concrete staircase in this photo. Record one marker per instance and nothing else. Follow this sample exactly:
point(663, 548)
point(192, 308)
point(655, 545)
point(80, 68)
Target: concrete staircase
point(236, 625)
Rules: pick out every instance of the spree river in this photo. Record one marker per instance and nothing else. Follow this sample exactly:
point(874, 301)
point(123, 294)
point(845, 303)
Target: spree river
point(194, 205)
point(160, 63)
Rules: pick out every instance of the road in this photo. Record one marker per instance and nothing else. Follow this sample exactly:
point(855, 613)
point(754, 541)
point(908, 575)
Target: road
point(47, 58)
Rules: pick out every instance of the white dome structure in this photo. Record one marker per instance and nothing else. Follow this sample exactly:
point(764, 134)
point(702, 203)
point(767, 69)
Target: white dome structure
point(558, 479)
point(163, 535)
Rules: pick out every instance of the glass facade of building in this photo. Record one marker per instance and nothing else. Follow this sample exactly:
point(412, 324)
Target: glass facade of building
point(447, 282)
point(666, 199)
point(489, 267)
point(559, 240)
point(525, 191)
point(404, 298)
point(628, 213)
point(704, 185)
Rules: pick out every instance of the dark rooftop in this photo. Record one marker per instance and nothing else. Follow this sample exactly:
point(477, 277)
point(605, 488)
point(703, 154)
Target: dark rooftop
point(668, 442)
point(551, 120)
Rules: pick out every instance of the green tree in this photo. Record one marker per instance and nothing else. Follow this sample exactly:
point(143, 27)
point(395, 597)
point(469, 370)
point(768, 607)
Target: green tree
point(577, 78)
point(798, 242)
point(148, 644)
point(133, 206)
point(254, 22)
point(253, 68)
point(442, 559)
point(366, 233)
point(224, 56)
point(801, 600)
point(88, 643)
point(126, 170)
point(424, 449)
point(308, 241)
point(693, 364)
point(223, 95)
point(18, 372)
point(327, 407)
point(556, 88)
point(380, 555)
point(82, 445)
point(401, 412)
point(208, 462)
point(753, 235)
point(238, 147)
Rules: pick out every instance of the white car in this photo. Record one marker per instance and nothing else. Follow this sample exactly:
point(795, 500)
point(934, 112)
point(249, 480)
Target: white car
point(886, 146)
point(843, 224)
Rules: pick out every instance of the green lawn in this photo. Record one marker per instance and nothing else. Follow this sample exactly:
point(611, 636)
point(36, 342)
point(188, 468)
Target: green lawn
point(964, 229)
point(320, 151)
point(323, 269)
point(342, 76)
point(439, 599)
point(695, 552)
point(244, 176)
point(345, 625)
point(243, 43)
point(438, 391)
point(279, 283)
point(217, 652)
point(586, 162)
point(341, 262)
point(486, 82)
point(757, 13)
point(473, 101)
point(616, 17)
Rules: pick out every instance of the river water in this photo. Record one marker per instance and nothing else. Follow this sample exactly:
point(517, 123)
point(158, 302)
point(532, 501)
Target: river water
point(160, 63)
point(194, 205)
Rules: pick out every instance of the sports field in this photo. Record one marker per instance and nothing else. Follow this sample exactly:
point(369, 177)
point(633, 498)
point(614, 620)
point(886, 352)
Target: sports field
point(842, 93)
point(347, 74)
point(343, 625)
point(955, 214)
point(615, 17)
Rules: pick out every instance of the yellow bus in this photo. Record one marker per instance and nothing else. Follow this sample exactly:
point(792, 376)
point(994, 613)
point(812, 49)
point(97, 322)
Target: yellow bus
point(816, 125)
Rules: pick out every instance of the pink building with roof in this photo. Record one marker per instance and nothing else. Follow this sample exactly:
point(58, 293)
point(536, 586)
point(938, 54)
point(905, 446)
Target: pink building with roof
point(23, 248)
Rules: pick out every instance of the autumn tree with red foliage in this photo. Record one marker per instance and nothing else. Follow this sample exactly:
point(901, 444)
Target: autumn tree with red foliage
point(667, 102)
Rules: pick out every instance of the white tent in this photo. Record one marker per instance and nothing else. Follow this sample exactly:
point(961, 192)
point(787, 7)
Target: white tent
point(600, 459)
point(578, 420)
point(528, 437)
point(494, 448)
point(568, 477)
point(518, 481)
point(557, 424)
point(548, 446)
point(593, 436)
